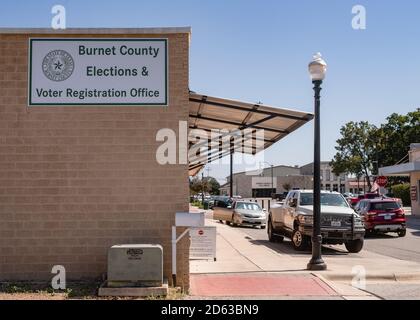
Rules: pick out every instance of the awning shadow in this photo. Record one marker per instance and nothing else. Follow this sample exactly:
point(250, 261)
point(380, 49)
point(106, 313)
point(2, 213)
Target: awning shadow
point(286, 247)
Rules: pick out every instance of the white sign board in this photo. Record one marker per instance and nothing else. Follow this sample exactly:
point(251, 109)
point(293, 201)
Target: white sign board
point(98, 71)
point(203, 243)
point(263, 182)
point(189, 219)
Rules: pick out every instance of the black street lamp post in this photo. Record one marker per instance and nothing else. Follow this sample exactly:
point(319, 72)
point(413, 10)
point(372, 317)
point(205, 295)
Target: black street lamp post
point(317, 70)
point(202, 187)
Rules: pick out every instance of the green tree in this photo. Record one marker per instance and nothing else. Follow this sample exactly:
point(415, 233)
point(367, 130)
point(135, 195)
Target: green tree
point(356, 149)
point(195, 185)
point(363, 148)
point(208, 184)
point(287, 186)
point(395, 137)
point(212, 185)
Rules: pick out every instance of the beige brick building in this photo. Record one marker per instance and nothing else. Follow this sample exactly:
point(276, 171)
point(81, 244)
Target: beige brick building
point(75, 180)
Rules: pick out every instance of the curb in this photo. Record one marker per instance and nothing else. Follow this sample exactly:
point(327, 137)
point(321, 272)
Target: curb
point(414, 276)
point(346, 291)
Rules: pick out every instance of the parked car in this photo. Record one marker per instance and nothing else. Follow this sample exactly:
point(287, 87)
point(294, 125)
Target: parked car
point(280, 196)
point(294, 219)
point(382, 216)
point(222, 201)
point(348, 196)
point(370, 195)
point(241, 213)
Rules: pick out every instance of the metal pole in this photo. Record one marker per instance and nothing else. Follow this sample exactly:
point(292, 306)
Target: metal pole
point(202, 188)
point(231, 170)
point(173, 241)
point(316, 262)
point(272, 182)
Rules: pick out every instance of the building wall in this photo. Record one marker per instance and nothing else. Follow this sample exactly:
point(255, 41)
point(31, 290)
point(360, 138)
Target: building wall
point(242, 184)
point(76, 180)
point(414, 155)
point(329, 180)
point(415, 182)
point(280, 171)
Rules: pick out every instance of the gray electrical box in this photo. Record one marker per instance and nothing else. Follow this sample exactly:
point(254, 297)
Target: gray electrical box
point(135, 265)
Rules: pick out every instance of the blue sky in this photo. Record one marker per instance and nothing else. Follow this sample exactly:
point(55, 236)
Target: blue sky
point(259, 51)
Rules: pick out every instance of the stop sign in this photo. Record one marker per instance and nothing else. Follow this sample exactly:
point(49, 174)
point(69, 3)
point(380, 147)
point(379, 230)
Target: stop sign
point(200, 232)
point(382, 181)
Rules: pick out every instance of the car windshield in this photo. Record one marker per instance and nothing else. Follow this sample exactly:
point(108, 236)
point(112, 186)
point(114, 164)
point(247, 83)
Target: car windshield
point(248, 206)
point(384, 206)
point(327, 199)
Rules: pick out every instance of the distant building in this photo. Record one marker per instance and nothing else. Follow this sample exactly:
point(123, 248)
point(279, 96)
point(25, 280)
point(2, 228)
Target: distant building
point(412, 169)
point(259, 184)
point(329, 181)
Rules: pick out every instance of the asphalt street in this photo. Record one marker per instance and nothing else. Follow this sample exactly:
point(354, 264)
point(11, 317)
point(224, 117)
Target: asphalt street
point(407, 248)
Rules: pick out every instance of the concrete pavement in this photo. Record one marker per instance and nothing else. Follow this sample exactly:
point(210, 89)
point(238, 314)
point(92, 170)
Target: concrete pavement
point(239, 253)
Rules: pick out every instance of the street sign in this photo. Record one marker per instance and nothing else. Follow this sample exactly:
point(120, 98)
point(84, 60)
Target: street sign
point(382, 181)
point(203, 243)
point(413, 192)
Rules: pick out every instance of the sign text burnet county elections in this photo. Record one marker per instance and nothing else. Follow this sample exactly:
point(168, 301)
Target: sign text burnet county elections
point(98, 72)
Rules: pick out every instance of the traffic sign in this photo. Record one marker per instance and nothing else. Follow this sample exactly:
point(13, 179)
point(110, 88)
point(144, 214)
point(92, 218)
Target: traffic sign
point(382, 181)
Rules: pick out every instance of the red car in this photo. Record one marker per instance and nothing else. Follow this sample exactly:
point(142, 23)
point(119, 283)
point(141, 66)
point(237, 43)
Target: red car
point(355, 200)
point(382, 216)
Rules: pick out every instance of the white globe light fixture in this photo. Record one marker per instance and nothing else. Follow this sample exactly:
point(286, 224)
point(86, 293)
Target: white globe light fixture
point(317, 68)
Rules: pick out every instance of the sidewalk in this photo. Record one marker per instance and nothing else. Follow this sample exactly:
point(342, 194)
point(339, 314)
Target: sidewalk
point(239, 254)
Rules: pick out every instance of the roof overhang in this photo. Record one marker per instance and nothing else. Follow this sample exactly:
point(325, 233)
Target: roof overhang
point(221, 126)
point(97, 31)
point(400, 170)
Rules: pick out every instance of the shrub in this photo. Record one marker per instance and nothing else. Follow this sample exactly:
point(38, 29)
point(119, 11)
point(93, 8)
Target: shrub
point(402, 191)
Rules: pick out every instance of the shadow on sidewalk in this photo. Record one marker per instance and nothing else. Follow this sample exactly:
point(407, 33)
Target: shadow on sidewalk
point(413, 222)
point(286, 248)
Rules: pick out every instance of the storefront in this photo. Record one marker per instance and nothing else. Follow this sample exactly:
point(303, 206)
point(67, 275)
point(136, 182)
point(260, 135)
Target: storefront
point(412, 169)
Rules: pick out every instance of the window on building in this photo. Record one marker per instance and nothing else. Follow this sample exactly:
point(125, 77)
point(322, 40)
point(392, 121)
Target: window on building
point(335, 187)
point(327, 186)
point(328, 175)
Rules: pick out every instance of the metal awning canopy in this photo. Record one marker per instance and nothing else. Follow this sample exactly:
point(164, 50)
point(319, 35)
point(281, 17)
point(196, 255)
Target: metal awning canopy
point(400, 170)
point(246, 120)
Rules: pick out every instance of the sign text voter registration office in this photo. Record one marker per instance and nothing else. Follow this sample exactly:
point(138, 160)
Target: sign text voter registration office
point(98, 72)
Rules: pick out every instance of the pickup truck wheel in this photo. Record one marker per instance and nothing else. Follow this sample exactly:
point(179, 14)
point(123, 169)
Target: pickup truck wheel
point(402, 233)
point(227, 223)
point(271, 236)
point(300, 241)
point(354, 246)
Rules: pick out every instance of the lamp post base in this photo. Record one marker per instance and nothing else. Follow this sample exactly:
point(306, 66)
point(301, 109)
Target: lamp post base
point(317, 265)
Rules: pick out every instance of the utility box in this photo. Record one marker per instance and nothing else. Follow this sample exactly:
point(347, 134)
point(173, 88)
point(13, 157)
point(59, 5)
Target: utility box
point(135, 265)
